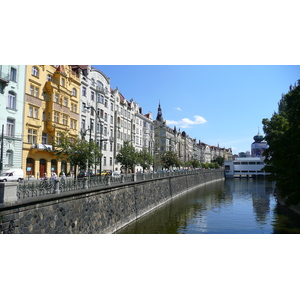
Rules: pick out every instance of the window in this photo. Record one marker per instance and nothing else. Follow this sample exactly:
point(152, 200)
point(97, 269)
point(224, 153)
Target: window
point(63, 82)
point(30, 111)
point(65, 101)
point(56, 98)
point(32, 136)
point(73, 124)
point(35, 71)
point(65, 119)
point(83, 91)
point(104, 161)
point(111, 147)
point(74, 92)
point(110, 161)
point(111, 107)
point(13, 74)
point(49, 77)
point(105, 104)
point(31, 90)
point(35, 112)
point(111, 119)
point(83, 123)
point(44, 138)
point(92, 96)
point(105, 117)
point(105, 130)
point(36, 94)
point(56, 117)
point(9, 157)
point(11, 100)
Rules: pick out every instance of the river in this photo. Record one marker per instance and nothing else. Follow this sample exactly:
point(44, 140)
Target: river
point(233, 206)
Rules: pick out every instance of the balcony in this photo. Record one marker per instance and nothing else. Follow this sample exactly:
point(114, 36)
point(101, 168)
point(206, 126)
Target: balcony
point(101, 89)
point(41, 146)
point(4, 80)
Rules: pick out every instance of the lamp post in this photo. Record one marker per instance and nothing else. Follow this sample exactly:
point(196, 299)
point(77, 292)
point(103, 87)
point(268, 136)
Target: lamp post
point(101, 140)
point(1, 156)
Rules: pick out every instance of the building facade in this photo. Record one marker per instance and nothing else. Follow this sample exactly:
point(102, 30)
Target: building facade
point(12, 87)
point(97, 114)
point(51, 108)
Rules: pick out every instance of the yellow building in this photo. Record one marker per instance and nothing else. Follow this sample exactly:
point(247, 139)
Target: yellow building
point(51, 107)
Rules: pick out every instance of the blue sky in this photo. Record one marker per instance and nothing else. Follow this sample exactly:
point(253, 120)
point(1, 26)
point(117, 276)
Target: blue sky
point(217, 104)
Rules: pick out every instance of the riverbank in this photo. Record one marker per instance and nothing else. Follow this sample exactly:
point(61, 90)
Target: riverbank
point(98, 209)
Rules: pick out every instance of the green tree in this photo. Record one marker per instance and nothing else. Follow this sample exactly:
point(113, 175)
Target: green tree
point(170, 159)
point(127, 156)
point(193, 163)
point(78, 152)
point(219, 160)
point(145, 159)
point(282, 133)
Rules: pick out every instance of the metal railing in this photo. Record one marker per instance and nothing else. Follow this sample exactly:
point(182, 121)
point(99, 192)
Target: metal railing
point(31, 189)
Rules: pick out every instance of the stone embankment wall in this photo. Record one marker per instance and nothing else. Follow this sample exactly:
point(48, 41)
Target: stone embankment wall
point(97, 210)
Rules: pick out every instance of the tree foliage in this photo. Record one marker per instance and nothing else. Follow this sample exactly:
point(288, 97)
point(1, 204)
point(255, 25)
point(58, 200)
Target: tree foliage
point(282, 133)
point(170, 159)
point(145, 159)
point(76, 151)
point(193, 163)
point(127, 156)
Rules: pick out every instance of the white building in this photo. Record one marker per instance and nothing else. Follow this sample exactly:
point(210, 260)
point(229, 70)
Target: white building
point(245, 167)
point(12, 91)
point(97, 114)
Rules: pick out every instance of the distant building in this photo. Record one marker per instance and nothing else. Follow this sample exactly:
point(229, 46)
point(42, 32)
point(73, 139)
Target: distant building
point(258, 146)
point(245, 167)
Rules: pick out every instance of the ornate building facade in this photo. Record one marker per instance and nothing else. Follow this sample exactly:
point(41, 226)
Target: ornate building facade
point(51, 108)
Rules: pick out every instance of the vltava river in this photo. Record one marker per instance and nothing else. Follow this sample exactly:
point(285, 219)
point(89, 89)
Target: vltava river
point(233, 206)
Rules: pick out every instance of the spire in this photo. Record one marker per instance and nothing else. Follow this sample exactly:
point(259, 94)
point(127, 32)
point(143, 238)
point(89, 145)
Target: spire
point(159, 114)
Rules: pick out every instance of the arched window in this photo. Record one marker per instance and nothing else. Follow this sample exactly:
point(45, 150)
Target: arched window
point(74, 92)
point(35, 71)
point(11, 103)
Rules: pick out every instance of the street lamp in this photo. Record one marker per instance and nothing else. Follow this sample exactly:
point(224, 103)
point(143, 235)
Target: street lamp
point(101, 140)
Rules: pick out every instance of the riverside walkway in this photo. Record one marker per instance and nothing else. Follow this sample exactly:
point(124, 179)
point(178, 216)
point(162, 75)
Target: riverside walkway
point(36, 188)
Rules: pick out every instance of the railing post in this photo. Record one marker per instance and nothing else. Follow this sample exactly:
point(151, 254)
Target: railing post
point(108, 181)
point(134, 177)
point(8, 192)
point(86, 186)
point(56, 186)
point(122, 178)
point(144, 176)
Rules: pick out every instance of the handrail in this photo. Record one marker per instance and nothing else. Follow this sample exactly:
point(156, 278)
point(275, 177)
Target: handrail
point(36, 188)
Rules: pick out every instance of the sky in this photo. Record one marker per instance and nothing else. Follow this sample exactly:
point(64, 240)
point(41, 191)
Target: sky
point(217, 104)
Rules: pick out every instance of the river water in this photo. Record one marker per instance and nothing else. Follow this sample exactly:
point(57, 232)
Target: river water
point(232, 206)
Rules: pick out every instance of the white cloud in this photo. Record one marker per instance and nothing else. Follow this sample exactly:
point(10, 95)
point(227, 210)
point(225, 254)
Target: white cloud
point(186, 122)
point(178, 108)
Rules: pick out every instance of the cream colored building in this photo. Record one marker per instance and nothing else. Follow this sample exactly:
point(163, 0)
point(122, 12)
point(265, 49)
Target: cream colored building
point(51, 107)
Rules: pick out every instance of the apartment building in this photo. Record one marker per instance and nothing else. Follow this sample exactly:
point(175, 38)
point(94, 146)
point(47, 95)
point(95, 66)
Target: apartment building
point(51, 108)
point(12, 86)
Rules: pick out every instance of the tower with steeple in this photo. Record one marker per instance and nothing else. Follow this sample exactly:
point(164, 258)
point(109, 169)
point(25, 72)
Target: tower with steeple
point(258, 146)
point(159, 115)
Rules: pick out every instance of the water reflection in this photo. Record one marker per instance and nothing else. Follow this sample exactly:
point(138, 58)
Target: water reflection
point(244, 206)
